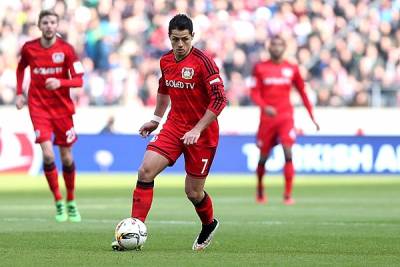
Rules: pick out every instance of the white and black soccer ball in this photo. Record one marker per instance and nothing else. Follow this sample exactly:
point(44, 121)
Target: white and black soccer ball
point(131, 233)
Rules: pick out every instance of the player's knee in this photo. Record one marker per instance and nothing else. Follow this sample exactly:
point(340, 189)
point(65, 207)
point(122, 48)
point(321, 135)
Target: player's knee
point(48, 158)
point(194, 196)
point(67, 161)
point(145, 174)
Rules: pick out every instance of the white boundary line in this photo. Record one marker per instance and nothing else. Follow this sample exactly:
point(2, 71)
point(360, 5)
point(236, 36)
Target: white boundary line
point(107, 221)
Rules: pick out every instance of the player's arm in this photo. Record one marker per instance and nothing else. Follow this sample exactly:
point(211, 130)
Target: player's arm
point(75, 72)
point(193, 135)
point(215, 88)
point(255, 94)
point(161, 106)
point(22, 64)
point(300, 86)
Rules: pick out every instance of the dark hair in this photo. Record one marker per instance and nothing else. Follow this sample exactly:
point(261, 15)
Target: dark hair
point(180, 22)
point(45, 13)
point(278, 37)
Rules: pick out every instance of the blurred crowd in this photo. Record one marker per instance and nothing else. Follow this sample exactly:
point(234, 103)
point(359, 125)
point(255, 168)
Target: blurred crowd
point(348, 51)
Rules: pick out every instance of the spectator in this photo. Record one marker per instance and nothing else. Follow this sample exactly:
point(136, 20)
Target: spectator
point(121, 42)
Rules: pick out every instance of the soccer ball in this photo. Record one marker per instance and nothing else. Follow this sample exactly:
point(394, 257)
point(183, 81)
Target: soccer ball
point(131, 233)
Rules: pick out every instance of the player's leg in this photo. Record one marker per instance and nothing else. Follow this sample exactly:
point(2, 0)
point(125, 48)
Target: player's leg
point(51, 174)
point(50, 169)
point(153, 163)
point(260, 172)
point(163, 150)
point(43, 131)
point(64, 137)
point(198, 161)
point(194, 188)
point(266, 140)
point(69, 174)
point(288, 171)
point(288, 137)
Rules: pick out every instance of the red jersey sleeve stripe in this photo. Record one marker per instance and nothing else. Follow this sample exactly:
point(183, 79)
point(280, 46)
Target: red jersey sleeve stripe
point(207, 62)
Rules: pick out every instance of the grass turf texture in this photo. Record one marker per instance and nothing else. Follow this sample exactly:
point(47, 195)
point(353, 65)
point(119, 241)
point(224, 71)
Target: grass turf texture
point(337, 221)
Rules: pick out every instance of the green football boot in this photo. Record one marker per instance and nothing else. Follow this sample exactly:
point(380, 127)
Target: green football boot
point(61, 212)
point(73, 213)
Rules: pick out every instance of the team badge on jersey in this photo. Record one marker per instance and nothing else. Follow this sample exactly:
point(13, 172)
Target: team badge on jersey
point(187, 73)
point(287, 72)
point(58, 57)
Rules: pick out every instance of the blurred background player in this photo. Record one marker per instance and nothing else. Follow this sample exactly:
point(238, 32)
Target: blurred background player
point(273, 80)
point(54, 68)
point(191, 82)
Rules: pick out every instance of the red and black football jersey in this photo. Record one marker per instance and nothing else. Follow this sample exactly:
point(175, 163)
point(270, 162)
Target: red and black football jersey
point(194, 85)
point(58, 61)
point(272, 83)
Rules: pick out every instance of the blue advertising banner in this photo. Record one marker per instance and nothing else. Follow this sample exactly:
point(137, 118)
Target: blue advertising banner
point(239, 154)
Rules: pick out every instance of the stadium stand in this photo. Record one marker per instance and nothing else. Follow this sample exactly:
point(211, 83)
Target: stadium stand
point(349, 51)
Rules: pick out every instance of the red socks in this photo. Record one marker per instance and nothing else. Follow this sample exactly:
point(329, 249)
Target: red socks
point(260, 174)
point(288, 171)
point(69, 179)
point(50, 171)
point(205, 210)
point(142, 199)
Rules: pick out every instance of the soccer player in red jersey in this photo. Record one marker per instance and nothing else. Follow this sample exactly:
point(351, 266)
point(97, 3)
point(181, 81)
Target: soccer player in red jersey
point(190, 81)
point(273, 80)
point(54, 68)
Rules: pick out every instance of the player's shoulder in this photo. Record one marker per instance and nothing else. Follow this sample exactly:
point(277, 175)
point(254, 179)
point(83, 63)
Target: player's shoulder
point(201, 55)
point(31, 43)
point(290, 63)
point(261, 65)
point(64, 43)
point(167, 56)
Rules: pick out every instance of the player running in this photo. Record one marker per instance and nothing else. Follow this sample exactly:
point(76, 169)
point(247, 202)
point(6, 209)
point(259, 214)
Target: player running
point(54, 68)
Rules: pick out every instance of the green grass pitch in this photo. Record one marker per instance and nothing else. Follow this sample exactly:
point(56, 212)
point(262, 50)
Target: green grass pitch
point(337, 221)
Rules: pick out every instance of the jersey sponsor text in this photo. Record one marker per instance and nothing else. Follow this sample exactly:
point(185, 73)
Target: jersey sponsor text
point(179, 84)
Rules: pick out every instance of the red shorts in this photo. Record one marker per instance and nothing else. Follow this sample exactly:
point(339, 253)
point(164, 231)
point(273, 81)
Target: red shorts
point(62, 128)
point(272, 131)
point(198, 158)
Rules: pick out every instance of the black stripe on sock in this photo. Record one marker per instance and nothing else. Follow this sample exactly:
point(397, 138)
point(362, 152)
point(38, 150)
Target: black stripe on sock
point(69, 169)
point(145, 185)
point(201, 201)
point(49, 167)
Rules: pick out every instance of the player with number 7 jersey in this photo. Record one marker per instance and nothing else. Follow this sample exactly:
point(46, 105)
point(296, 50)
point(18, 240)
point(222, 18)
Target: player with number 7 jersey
point(190, 81)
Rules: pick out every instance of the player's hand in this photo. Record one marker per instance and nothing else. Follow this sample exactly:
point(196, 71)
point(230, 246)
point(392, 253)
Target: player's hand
point(52, 83)
point(270, 111)
point(20, 101)
point(191, 137)
point(147, 128)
